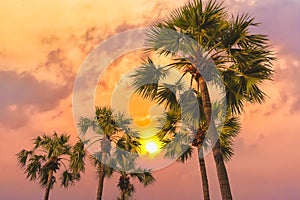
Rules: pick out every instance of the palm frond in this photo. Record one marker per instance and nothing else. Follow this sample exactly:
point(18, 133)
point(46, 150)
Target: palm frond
point(166, 94)
point(147, 77)
point(43, 179)
point(106, 121)
point(85, 123)
point(144, 176)
point(178, 145)
point(237, 30)
point(67, 178)
point(110, 167)
point(189, 103)
point(77, 158)
point(170, 119)
point(95, 159)
point(34, 166)
point(22, 157)
point(229, 131)
point(187, 154)
point(123, 122)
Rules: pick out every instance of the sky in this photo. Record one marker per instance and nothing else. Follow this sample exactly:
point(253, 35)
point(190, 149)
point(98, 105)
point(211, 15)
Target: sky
point(44, 43)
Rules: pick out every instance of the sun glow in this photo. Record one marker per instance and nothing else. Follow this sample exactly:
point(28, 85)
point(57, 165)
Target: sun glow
point(151, 147)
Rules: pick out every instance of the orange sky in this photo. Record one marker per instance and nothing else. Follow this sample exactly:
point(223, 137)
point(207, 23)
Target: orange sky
point(42, 46)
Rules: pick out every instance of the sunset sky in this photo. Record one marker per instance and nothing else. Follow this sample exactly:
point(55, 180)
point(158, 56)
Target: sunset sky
point(44, 43)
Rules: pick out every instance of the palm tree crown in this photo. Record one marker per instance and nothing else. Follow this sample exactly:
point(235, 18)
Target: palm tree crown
point(113, 134)
point(48, 156)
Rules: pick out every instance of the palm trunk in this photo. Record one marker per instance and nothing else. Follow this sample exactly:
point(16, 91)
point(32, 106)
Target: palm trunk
point(205, 186)
point(123, 195)
point(218, 157)
point(48, 186)
point(222, 172)
point(101, 176)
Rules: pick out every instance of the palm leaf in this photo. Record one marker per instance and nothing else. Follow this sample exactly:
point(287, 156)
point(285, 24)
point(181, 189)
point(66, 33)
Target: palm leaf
point(22, 157)
point(147, 77)
point(77, 157)
point(187, 154)
point(67, 179)
point(144, 176)
point(229, 131)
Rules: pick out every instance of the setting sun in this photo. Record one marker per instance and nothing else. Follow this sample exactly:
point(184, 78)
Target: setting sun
point(151, 147)
point(150, 144)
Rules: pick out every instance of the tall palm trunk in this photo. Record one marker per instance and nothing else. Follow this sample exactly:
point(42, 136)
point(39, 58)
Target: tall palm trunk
point(105, 148)
point(48, 186)
point(218, 157)
point(101, 176)
point(222, 172)
point(124, 195)
point(205, 186)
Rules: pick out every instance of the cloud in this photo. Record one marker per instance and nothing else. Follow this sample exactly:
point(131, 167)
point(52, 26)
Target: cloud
point(38, 90)
point(280, 21)
point(50, 39)
point(23, 95)
point(76, 28)
point(55, 57)
point(91, 37)
point(288, 80)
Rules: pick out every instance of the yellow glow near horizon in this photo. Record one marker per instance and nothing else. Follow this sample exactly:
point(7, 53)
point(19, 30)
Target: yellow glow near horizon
point(151, 147)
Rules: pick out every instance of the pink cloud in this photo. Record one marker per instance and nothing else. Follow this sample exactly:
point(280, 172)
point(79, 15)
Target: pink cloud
point(263, 167)
point(23, 95)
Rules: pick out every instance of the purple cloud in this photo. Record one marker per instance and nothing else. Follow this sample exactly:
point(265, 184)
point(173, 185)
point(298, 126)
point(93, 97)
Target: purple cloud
point(23, 95)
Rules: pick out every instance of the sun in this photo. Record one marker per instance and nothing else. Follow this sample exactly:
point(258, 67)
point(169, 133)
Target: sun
point(151, 147)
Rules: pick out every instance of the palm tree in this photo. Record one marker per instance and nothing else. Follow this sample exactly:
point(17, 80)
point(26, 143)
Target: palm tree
point(108, 128)
point(196, 36)
point(123, 163)
point(181, 150)
point(48, 156)
point(127, 188)
point(126, 167)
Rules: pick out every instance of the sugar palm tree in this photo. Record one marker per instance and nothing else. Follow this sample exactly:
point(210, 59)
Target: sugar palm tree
point(126, 167)
point(127, 188)
point(126, 170)
point(196, 36)
point(123, 163)
point(48, 156)
point(179, 147)
point(108, 128)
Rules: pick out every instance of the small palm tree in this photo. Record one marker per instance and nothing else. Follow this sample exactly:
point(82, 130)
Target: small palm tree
point(123, 162)
point(48, 156)
point(127, 188)
point(194, 37)
point(108, 128)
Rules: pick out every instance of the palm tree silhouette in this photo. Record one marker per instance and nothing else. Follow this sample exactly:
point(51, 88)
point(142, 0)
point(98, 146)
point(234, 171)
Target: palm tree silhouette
point(127, 188)
point(110, 129)
point(208, 46)
point(123, 163)
point(48, 156)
